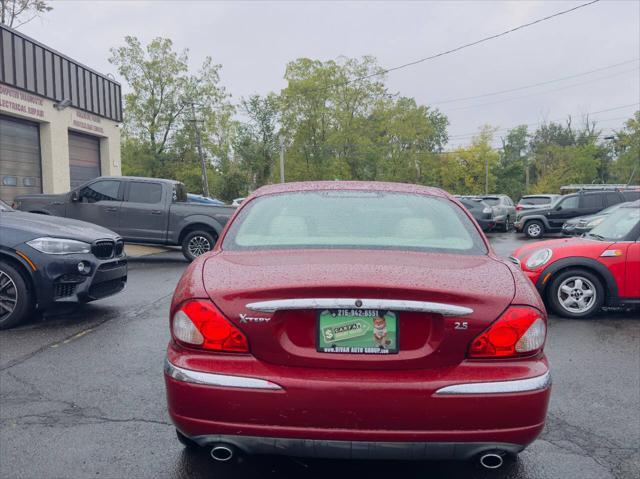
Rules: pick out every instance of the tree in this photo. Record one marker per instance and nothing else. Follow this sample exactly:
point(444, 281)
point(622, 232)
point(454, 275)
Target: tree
point(512, 170)
point(256, 142)
point(162, 91)
point(472, 169)
point(341, 122)
point(15, 13)
point(626, 168)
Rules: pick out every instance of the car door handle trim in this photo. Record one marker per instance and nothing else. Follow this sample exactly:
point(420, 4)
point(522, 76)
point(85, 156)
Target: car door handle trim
point(350, 303)
point(156, 212)
point(111, 210)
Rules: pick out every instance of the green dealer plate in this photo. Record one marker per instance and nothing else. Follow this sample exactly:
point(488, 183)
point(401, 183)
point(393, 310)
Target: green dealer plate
point(357, 331)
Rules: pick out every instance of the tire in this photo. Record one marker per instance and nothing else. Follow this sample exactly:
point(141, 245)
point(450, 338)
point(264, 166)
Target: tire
point(186, 442)
point(196, 243)
point(534, 229)
point(507, 225)
point(576, 293)
point(16, 297)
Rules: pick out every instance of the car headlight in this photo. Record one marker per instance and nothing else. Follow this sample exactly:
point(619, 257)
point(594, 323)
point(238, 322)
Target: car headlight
point(595, 222)
point(540, 257)
point(59, 246)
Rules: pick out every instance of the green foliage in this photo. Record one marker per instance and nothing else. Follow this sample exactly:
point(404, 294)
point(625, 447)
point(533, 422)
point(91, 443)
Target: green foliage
point(341, 128)
point(464, 170)
point(339, 121)
point(626, 169)
point(15, 13)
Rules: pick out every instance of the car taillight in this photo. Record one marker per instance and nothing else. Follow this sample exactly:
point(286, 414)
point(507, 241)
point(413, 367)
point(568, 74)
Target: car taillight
point(520, 331)
point(518, 208)
point(198, 323)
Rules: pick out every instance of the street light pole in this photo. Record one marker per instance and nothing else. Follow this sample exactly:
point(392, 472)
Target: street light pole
point(205, 179)
point(281, 159)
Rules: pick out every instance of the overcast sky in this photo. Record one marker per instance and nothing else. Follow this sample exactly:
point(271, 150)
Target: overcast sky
point(254, 40)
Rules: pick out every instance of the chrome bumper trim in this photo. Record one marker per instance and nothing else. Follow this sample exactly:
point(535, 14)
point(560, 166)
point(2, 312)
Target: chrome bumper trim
point(356, 449)
point(353, 303)
point(517, 386)
point(221, 380)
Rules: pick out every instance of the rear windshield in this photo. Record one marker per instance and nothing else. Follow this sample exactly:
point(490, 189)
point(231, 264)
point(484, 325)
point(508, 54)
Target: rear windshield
point(535, 200)
point(491, 200)
point(353, 219)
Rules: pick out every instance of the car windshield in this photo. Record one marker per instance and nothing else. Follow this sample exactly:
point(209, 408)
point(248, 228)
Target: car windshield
point(4, 206)
point(617, 225)
point(354, 219)
point(612, 208)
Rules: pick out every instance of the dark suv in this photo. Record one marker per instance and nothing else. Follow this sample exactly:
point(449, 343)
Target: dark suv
point(536, 222)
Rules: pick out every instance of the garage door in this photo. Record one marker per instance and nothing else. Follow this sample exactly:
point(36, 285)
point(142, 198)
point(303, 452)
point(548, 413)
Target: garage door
point(84, 158)
point(20, 170)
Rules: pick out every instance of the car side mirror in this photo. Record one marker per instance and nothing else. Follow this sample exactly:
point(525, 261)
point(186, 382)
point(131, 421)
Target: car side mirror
point(75, 196)
point(558, 208)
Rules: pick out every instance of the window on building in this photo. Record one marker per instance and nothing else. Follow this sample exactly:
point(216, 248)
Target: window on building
point(9, 181)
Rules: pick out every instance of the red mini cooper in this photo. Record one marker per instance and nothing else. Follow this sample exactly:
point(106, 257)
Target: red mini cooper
point(356, 320)
point(577, 276)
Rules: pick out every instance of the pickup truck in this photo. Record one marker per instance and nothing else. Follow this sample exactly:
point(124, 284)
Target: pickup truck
point(141, 210)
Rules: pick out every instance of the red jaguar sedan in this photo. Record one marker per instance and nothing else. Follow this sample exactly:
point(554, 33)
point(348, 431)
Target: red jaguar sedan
point(356, 320)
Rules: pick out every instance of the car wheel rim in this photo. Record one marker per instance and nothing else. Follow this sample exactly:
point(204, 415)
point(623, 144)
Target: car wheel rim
point(577, 294)
point(534, 230)
point(8, 295)
point(198, 245)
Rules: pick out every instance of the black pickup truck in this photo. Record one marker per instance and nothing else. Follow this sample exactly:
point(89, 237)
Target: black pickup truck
point(141, 210)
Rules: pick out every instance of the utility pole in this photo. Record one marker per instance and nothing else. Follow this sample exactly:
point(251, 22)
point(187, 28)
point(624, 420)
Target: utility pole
point(205, 179)
point(281, 159)
point(486, 175)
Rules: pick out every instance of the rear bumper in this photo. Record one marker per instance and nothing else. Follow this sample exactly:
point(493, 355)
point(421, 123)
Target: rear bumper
point(265, 408)
point(356, 449)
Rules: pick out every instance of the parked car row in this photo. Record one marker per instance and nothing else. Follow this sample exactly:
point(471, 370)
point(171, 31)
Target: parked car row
point(491, 211)
point(576, 276)
point(535, 223)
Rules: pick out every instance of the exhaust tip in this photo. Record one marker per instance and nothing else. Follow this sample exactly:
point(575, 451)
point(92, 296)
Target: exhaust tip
point(492, 460)
point(222, 453)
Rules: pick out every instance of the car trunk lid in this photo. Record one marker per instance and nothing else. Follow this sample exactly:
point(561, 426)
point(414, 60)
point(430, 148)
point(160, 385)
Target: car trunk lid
point(380, 279)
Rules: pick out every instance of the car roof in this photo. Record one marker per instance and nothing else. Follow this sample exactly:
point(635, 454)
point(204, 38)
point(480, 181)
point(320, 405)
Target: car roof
point(349, 185)
point(138, 178)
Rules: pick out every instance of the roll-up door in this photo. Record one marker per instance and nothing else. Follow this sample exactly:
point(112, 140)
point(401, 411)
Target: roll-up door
point(20, 167)
point(84, 158)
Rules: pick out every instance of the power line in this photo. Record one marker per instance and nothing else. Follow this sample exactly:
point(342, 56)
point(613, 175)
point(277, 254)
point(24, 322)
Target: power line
point(566, 87)
point(458, 48)
point(533, 85)
point(471, 134)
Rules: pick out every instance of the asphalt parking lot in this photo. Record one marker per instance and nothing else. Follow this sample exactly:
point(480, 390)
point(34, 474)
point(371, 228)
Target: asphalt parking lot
point(82, 395)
